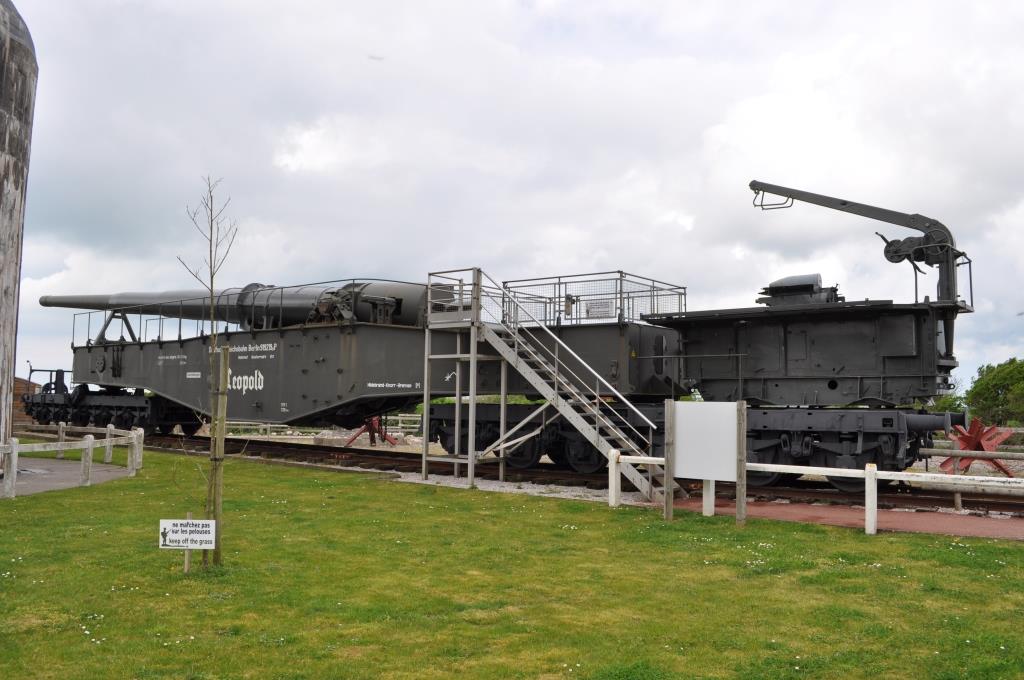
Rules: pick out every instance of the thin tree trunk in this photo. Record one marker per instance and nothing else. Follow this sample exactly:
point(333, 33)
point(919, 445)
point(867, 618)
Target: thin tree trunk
point(217, 462)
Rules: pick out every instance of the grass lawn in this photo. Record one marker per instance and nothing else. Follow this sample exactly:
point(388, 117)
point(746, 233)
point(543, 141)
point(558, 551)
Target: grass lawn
point(347, 576)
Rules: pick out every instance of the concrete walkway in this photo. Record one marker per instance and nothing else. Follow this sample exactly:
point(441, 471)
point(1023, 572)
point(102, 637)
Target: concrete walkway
point(36, 475)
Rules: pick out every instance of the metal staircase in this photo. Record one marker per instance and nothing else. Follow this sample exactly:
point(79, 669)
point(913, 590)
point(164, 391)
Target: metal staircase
point(500, 317)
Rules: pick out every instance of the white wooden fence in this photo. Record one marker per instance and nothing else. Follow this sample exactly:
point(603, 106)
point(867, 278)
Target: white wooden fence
point(871, 475)
point(113, 437)
point(957, 483)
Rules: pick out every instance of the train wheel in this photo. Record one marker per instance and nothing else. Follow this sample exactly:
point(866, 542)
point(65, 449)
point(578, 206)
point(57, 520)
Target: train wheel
point(584, 458)
point(190, 429)
point(141, 423)
point(847, 484)
point(763, 478)
point(524, 456)
point(555, 449)
point(448, 441)
point(778, 455)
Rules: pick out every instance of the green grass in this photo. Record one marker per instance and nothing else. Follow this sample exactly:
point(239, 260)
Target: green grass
point(347, 576)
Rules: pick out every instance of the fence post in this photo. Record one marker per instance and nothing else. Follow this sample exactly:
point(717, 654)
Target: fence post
point(958, 498)
point(741, 463)
point(131, 453)
point(11, 470)
point(138, 451)
point(108, 453)
point(708, 498)
point(87, 460)
point(614, 479)
point(870, 499)
point(188, 553)
point(61, 427)
point(668, 482)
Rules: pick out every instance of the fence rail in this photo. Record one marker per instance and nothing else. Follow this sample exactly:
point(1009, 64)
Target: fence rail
point(113, 437)
point(1009, 486)
point(870, 474)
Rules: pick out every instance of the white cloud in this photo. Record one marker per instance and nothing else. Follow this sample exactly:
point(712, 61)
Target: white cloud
point(531, 138)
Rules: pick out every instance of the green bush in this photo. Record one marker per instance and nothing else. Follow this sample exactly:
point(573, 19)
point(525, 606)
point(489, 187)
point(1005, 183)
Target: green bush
point(997, 395)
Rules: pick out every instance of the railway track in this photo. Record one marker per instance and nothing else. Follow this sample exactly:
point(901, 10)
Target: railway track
point(799, 491)
point(381, 459)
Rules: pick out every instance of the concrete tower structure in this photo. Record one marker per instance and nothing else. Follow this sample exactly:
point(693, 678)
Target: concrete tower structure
point(18, 74)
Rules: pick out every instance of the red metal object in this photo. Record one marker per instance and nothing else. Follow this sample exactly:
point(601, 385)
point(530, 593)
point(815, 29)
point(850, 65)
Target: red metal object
point(372, 426)
point(977, 437)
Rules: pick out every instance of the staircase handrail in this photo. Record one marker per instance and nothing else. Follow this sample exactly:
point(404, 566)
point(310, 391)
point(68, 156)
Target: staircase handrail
point(561, 374)
point(566, 370)
point(507, 295)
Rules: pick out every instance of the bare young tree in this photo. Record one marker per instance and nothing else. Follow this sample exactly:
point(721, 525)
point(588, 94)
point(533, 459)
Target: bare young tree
point(210, 220)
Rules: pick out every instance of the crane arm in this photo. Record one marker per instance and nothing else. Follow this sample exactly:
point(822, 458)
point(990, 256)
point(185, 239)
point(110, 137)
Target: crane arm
point(935, 248)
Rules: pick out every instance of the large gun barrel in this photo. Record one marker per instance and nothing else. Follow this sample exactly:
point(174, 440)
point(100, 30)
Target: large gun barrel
point(260, 306)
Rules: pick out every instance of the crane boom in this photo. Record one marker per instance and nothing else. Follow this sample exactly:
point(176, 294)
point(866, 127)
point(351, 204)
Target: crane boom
point(935, 248)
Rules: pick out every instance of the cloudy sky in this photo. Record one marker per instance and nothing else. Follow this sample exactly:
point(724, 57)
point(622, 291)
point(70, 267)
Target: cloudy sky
point(391, 139)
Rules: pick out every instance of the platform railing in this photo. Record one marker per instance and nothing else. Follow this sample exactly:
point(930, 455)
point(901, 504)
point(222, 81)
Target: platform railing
point(597, 297)
point(450, 298)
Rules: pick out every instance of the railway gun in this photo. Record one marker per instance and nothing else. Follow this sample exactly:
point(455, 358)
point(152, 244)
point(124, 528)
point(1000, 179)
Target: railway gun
point(829, 382)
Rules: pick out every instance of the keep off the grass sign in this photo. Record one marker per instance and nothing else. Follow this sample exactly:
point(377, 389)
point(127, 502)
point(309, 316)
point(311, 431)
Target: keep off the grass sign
point(188, 534)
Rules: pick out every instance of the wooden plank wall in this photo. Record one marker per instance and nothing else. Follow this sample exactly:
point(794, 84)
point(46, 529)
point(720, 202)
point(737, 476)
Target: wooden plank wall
point(22, 386)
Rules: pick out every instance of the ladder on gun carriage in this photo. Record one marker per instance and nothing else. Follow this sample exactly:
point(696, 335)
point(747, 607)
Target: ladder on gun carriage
point(500, 327)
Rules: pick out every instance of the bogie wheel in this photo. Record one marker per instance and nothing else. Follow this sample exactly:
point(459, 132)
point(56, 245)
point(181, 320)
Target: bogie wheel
point(779, 454)
point(761, 479)
point(147, 428)
point(555, 449)
point(847, 484)
point(523, 456)
point(584, 458)
point(190, 429)
point(854, 484)
point(854, 462)
point(448, 441)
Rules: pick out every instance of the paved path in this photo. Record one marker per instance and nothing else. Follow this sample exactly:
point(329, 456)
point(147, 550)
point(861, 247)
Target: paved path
point(888, 520)
point(36, 475)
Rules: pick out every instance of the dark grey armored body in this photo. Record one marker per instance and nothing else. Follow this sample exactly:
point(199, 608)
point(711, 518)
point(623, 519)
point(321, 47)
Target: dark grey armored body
point(808, 346)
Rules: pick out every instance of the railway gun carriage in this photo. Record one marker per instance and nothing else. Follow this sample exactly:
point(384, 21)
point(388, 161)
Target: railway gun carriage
point(829, 382)
point(322, 354)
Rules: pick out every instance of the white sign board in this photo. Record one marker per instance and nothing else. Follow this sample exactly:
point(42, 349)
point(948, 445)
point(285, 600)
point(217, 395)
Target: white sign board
point(188, 534)
point(706, 441)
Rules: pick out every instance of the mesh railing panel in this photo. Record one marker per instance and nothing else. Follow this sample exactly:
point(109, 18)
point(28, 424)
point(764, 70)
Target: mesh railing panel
point(594, 298)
